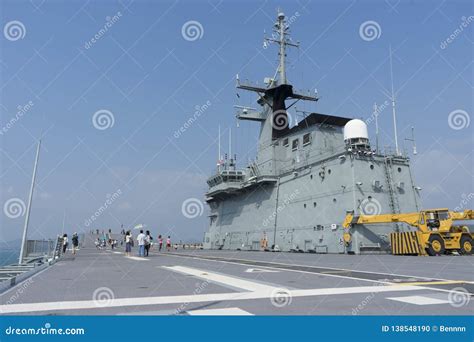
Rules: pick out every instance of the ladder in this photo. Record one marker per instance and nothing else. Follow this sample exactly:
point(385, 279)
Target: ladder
point(58, 249)
point(255, 170)
point(394, 206)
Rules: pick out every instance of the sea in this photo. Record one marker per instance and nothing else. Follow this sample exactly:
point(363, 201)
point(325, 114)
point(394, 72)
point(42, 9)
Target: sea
point(8, 257)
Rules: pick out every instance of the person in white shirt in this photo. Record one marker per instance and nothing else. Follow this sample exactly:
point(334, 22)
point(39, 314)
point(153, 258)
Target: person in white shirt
point(141, 243)
point(65, 243)
point(128, 243)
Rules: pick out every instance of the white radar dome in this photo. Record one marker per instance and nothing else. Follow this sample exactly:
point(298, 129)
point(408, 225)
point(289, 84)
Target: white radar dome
point(355, 129)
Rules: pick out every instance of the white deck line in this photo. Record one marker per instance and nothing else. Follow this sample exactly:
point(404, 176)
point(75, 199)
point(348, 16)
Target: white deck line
point(144, 301)
point(420, 300)
point(137, 258)
point(220, 312)
point(221, 279)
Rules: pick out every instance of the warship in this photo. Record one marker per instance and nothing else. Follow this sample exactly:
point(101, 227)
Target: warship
point(306, 176)
point(294, 197)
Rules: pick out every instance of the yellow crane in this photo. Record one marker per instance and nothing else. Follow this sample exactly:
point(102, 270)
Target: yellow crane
point(435, 234)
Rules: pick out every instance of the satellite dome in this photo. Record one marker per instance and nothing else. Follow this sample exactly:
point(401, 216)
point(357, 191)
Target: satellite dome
point(355, 129)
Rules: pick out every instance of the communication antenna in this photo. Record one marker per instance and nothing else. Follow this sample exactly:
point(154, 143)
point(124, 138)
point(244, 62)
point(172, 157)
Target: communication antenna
point(219, 148)
point(397, 151)
point(230, 142)
point(415, 152)
point(376, 127)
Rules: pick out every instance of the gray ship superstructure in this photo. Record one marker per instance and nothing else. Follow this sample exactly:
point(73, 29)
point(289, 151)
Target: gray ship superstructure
point(305, 177)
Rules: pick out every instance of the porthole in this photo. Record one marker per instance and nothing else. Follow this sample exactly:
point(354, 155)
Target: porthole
point(399, 169)
point(334, 200)
point(304, 205)
point(371, 166)
point(329, 171)
point(314, 204)
point(311, 176)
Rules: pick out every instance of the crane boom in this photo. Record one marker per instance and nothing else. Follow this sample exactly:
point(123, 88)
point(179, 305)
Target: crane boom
point(435, 230)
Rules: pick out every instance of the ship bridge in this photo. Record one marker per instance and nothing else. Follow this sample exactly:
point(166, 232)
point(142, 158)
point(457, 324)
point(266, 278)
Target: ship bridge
point(227, 182)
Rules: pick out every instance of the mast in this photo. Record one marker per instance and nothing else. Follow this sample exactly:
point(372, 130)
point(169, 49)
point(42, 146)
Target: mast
point(28, 210)
point(281, 28)
point(376, 128)
point(397, 151)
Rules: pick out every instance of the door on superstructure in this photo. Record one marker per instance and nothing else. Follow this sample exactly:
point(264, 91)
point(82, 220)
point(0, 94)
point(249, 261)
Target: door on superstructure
point(255, 245)
point(338, 238)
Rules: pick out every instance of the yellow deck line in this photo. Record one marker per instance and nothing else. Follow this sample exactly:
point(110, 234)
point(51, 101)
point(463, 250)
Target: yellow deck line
point(432, 283)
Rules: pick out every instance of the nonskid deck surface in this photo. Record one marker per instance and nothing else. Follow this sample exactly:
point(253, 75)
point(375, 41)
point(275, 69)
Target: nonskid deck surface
point(195, 282)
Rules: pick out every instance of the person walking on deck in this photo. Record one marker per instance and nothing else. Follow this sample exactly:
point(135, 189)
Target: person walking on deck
point(65, 243)
point(168, 243)
point(160, 242)
point(128, 243)
point(75, 242)
point(148, 242)
point(141, 244)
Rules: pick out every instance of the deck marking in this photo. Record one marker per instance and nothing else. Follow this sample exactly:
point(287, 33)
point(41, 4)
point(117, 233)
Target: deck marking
point(259, 270)
point(220, 312)
point(137, 258)
point(278, 264)
point(421, 283)
point(142, 301)
point(222, 279)
point(419, 300)
point(287, 267)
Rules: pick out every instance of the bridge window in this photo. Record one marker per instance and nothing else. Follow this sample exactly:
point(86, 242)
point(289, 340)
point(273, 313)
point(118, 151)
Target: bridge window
point(294, 144)
point(285, 142)
point(306, 139)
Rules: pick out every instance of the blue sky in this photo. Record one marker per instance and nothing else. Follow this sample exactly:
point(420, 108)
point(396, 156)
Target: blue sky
point(149, 79)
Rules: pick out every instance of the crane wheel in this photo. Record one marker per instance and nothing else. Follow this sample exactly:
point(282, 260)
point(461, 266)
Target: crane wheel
point(466, 245)
point(435, 245)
